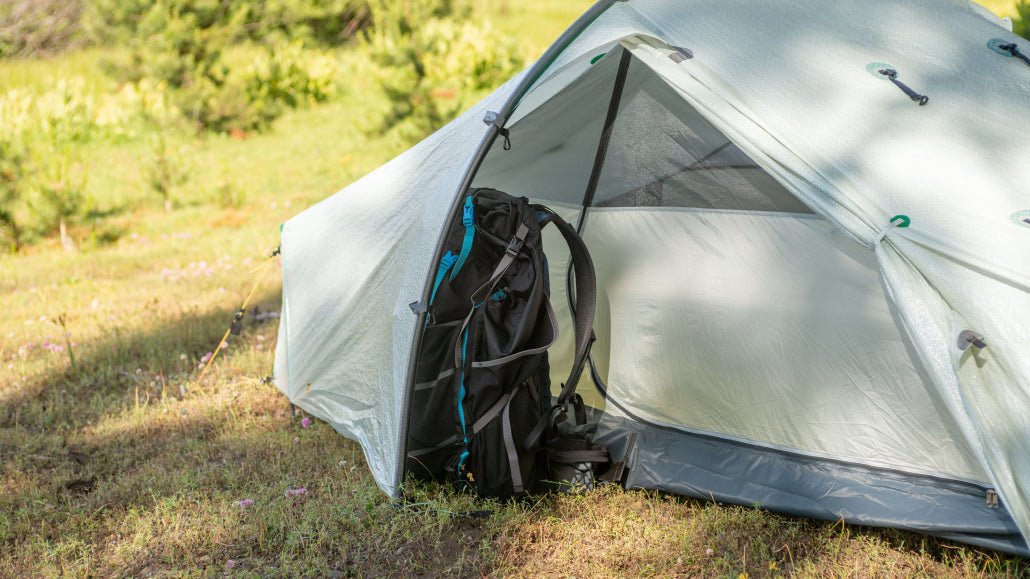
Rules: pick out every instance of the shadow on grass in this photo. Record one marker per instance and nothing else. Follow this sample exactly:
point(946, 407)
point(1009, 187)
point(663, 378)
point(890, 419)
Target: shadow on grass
point(122, 466)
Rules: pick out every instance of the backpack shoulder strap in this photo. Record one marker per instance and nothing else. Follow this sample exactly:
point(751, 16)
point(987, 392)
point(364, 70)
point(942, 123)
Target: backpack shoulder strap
point(586, 296)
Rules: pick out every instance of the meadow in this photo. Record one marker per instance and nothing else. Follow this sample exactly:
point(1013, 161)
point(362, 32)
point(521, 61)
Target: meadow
point(117, 460)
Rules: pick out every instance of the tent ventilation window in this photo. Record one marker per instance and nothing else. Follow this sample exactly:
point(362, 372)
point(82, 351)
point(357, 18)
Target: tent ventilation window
point(892, 75)
point(1007, 49)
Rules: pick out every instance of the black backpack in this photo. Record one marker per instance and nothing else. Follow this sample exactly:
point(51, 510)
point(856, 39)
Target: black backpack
point(481, 412)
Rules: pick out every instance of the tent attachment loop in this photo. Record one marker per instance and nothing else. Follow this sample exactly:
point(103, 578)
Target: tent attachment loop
point(1012, 48)
point(494, 118)
point(892, 75)
point(901, 221)
point(969, 337)
point(896, 221)
point(1007, 49)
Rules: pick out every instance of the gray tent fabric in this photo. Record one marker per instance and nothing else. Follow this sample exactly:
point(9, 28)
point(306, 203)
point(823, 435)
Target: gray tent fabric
point(791, 255)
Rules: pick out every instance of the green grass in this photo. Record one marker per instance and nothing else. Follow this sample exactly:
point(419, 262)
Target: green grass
point(115, 462)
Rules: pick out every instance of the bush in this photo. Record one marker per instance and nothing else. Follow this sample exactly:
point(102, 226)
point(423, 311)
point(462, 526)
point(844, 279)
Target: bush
point(11, 175)
point(321, 22)
point(283, 75)
point(1021, 24)
point(56, 192)
point(431, 65)
point(179, 45)
point(42, 187)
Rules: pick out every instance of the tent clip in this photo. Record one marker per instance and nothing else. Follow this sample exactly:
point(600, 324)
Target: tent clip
point(892, 74)
point(967, 337)
point(992, 499)
point(896, 221)
point(418, 307)
point(1014, 50)
point(494, 118)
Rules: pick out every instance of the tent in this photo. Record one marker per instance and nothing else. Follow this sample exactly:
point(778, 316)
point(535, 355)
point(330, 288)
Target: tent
point(811, 229)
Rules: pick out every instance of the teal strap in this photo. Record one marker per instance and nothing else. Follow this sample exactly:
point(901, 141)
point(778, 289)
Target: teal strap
point(470, 232)
point(445, 264)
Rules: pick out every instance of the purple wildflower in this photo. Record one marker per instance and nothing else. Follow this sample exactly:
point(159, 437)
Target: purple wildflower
point(305, 422)
point(296, 492)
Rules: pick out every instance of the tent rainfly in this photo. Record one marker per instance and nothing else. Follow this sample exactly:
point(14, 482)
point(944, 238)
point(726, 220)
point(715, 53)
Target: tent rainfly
point(811, 228)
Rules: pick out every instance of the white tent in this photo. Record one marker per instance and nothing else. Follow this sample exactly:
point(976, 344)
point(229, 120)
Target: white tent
point(814, 290)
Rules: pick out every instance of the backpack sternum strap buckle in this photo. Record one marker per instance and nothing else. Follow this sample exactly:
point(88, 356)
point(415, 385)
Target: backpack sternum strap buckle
point(467, 212)
point(516, 243)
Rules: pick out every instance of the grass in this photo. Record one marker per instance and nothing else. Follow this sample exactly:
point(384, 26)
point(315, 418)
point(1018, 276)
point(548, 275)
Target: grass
point(115, 462)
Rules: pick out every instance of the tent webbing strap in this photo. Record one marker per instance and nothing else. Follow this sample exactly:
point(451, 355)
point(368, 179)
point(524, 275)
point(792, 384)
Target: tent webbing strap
point(606, 133)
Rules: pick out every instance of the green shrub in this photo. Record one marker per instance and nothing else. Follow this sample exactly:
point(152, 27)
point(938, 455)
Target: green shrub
point(283, 75)
point(165, 167)
point(56, 193)
point(322, 22)
point(44, 178)
point(1021, 24)
point(431, 65)
point(180, 45)
point(11, 178)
